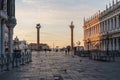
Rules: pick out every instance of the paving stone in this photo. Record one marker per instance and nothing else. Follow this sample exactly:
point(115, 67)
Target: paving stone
point(58, 66)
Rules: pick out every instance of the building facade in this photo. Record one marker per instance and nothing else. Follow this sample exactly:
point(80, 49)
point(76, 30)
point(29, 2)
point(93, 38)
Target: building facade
point(7, 24)
point(102, 31)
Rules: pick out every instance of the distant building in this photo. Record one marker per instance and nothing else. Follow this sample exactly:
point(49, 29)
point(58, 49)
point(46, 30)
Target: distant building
point(20, 44)
point(79, 48)
point(34, 46)
point(102, 31)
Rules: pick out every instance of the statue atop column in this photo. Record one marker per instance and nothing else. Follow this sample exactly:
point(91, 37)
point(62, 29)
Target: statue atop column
point(71, 22)
point(72, 26)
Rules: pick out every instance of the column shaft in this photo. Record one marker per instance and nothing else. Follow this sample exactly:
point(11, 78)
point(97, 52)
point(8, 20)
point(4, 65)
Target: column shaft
point(0, 35)
point(117, 43)
point(113, 44)
point(113, 22)
point(110, 44)
point(117, 22)
point(72, 38)
point(110, 21)
point(10, 40)
point(3, 38)
point(38, 36)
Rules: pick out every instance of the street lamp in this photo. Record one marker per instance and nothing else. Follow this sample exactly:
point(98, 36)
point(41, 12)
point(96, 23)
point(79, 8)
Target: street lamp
point(38, 26)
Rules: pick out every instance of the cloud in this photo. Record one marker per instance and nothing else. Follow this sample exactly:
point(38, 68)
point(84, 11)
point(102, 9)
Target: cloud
point(28, 1)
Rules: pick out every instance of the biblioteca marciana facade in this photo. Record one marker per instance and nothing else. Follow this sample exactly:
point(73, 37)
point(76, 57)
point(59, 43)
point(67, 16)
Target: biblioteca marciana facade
point(102, 31)
point(7, 23)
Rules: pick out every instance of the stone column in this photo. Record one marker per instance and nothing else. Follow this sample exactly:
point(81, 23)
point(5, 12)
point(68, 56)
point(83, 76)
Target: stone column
point(104, 26)
point(117, 43)
point(101, 44)
point(106, 41)
point(113, 23)
point(72, 42)
point(107, 25)
point(0, 35)
point(110, 22)
point(101, 27)
point(38, 26)
point(104, 45)
point(110, 44)
point(113, 44)
point(10, 39)
point(11, 24)
point(117, 22)
point(3, 37)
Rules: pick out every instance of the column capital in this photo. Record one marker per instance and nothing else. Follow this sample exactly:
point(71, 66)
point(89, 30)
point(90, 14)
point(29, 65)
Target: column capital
point(38, 26)
point(11, 22)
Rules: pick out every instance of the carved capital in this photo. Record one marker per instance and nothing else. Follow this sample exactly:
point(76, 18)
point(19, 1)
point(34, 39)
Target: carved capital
point(11, 22)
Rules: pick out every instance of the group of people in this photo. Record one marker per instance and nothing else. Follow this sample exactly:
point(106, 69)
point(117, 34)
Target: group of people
point(67, 51)
point(47, 50)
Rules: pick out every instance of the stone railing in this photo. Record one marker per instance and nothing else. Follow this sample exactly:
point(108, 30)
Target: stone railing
point(7, 62)
point(99, 55)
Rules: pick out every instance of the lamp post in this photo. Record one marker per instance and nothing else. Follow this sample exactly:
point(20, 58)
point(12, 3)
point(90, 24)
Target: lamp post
point(38, 26)
point(72, 28)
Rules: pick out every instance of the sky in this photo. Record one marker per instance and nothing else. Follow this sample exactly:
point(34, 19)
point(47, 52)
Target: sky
point(55, 16)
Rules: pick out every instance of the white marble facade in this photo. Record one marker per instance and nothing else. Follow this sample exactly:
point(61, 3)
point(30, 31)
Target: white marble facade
point(7, 23)
point(102, 30)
